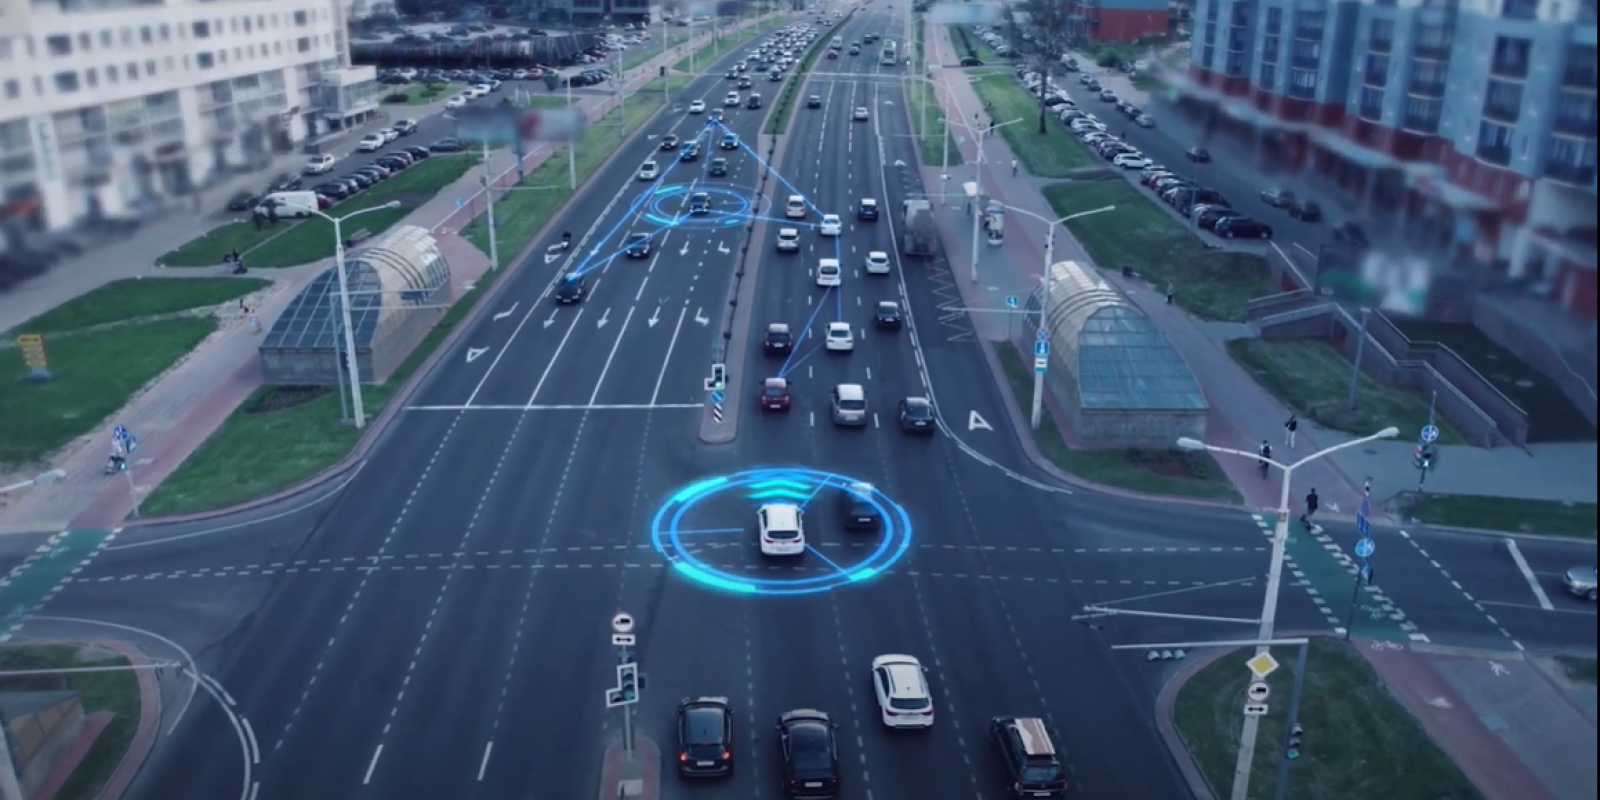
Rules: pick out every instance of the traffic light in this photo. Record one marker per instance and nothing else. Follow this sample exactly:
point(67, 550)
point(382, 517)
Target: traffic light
point(1297, 737)
point(719, 377)
point(628, 682)
point(662, 70)
point(1424, 457)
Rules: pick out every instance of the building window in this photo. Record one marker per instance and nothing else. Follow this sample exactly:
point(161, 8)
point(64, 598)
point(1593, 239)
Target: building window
point(85, 41)
point(1503, 100)
point(145, 35)
point(1580, 69)
point(303, 44)
point(1307, 53)
point(1494, 142)
point(202, 29)
point(58, 45)
point(1428, 77)
point(127, 37)
point(1269, 48)
point(1520, 9)
point(207, 61)
point(149, 68)
point(1380, 35)
point(112, 74)
point(1208, 57)
point(1575, 113)
point(1510, 57)
point(1237, 66)
point(1375, 70)
point(166, 33)
point(1370, 107)
point(13, 89)
point(1422, 114)
point(1571, 160)
point(106, 40)
point(1303, 83)
point(90, 78)
point(66, 82)
point(1274, 18)
point(1267, 78)
point(300, 17)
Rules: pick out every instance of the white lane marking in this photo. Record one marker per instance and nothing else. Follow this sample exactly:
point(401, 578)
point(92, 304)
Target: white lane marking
point(372, 765)
point(555, 356)
point(671, 343)
point(483, 766)
point(1527, 575)
point(595, 397)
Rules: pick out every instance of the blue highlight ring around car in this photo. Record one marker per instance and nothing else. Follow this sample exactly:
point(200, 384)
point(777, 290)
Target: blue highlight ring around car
point(669, 207)
point(676, 524)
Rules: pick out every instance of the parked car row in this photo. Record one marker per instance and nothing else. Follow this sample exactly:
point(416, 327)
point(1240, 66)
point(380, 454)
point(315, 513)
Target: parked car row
point(996, 41)
point(400, 77)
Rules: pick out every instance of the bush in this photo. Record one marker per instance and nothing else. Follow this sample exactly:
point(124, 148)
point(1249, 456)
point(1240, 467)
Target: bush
point(397, 97)
point(436, 88)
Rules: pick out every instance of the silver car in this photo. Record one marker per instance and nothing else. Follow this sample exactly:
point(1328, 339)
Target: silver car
point(1581, 582)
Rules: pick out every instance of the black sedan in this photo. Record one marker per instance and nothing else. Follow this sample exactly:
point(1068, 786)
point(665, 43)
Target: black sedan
point(888, 315)
point(690, 153)
point(1241, 228)
point(700, 203)
point(810, 754)
point(705, 737)
point(418, 153)
point(669, 142)
point(449, 144)
point(779, 340)
point(243, 201)
point(638, 246)
point(916, 415)
point(333, 190)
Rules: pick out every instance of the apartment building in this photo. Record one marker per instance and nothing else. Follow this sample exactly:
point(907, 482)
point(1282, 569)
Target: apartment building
point(110, 106)
point(1470, 124)
point(1119, 21)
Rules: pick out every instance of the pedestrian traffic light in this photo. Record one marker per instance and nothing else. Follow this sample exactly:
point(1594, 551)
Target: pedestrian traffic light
point(1297, 736)
point(1424, 457)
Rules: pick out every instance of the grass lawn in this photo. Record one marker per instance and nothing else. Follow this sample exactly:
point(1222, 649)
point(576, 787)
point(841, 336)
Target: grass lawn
point(1359, 743)
point(209, 249)
point(1052, 154)
point(1166, 472)
point(1211, 284)
point(1514, 515)
point(116, 692)
point(520, 214)
point(1579, 669)
point(927, 119)
point(312, 239)
point(671, 83)
point(134, 298)
point(1313, 379)
point(95, 374)
point(419, 95)
point(530, 100)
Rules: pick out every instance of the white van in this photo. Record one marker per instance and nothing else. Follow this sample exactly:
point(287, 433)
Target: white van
point(290, 205)
point(849, 404)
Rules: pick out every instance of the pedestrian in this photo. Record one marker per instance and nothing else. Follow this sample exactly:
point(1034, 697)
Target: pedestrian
point(1170, 292)
point(1013, 168)
point(1266, 455)
point(1312, 503)
point(255, 322)
point(1289, 429)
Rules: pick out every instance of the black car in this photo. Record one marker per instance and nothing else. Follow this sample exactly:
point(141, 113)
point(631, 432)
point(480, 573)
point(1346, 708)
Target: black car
point(1306, 211)
point(362, 180)
point(690, 152)
point(573, 289)
point(1028, 761)
point(1241, 228)
point(333, 190)
point(810, 754)
point(971, 61)
point(700, 203)
point(669, 142)
point(888, 315)
point(705, 738)
point(638, 246)
point(779, 341)
point(1198, 155)
point(753, 102)
point(868, 209)
point(243, 201)
point(916, 415)
point(284, 182)
point(449, 144)
point(718, 167)
point(418, 153)
point(858, 509)
point(394, 162)
point(730, 141)
point(1349, 233)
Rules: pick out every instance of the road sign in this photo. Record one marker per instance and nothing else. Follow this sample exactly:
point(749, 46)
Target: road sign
point(1041, 365)
point(1364, 547)
point(1364, 526)
point(1366, 574)
point(1255, 709)
point(1013, 302)
point(624, 639)
point(32, 347)
point(717, 398)
point(1042, 334)
point(622, 623)
point(1261, 665)
point(125, 439)
point(1041, 349)
point(1258, 691)
point(1430, 433)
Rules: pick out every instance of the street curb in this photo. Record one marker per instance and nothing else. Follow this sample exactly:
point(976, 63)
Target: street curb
point(380, 424)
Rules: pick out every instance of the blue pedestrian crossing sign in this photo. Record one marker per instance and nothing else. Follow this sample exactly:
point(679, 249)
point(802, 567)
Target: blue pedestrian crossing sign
point(1042, 334)
point(125, 439)
point(717, 398)
point(1363, 525)
point(1041, 349)
point(1365, 547)
point(1430, 433)
point(1013, 302)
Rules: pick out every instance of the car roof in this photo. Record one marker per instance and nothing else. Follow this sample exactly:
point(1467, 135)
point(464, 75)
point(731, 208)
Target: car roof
point(869, 201)
point(905, 675)
point(782, 515)
point(788, 231)
point(1030, 731)
point(918, 401)
point(887, 304)
point(839, 326)
point(777, 383)
point(850, 391)
point(794, 197)
point(876, 253)
point(689, 702)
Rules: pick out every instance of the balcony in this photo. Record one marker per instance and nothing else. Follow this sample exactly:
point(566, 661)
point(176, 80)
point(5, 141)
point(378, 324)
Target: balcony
point(1525, 10)
point(1378, 78)
point(1432, 51)
point(1305, 62)
point(1239, 18)
point(1579, 75)
point(1574, 126)
point(1369, 111)
point(1502, 112)
point(1311, 33)
point(1384, 45)
point(1425, 88)
point(1579, 175)
point(1499, 154)
point(1509, 65)
point(1420, 123)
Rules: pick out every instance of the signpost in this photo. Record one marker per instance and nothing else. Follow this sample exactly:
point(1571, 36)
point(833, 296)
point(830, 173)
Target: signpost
point(625, 694)
point(1041, 364)
point(32, 347)
point(1013, 302)
point(1430, 433)
point(714, 387)
point(1364, 549)
point(1363, 518)
point(123, 445)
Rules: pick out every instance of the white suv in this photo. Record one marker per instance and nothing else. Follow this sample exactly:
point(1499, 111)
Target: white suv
point(782, 529)
point(371, 142)
point(901, 684)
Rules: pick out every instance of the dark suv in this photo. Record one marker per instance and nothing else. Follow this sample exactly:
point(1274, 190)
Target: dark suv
point(572, 289)
point(1027, 757)
point(859, 510)
point(810, 754)
point(705, 737)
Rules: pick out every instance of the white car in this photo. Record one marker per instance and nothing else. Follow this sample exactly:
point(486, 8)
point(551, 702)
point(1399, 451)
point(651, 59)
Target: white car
point(371, 142)
point(320, 165)
point(877, 263)
point(1131, 161)
point(828, 273)
point(860, 115)
point(732, 99)
point(901, 684)
point(649, 171)
point(831, 226)
point(697, 107)
point(1145, 121)
point(788, 240)
point(389, 135)
point(456, 102)
point(795, 207)
point(782, 529)
point(839, 337)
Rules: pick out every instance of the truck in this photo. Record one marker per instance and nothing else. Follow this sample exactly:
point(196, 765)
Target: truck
point(920, 234)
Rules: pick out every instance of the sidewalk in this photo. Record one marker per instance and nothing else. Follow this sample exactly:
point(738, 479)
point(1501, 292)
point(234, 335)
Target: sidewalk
point(1242, 413)
point(178, 411)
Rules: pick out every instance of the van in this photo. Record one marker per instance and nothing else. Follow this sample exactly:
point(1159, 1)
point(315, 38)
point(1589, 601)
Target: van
point(849, 404)
point(289, 205)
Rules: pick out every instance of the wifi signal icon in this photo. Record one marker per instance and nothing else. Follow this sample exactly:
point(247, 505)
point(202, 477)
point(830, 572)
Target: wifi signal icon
point(780, 489)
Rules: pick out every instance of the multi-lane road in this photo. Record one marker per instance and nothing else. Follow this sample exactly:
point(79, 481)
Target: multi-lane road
point(439, 627)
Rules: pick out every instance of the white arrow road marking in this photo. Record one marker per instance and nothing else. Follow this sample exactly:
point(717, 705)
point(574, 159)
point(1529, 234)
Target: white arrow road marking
point(701, 319)
point(605, 316)
point(683, 251)
point(553, 253)
point(474, 352)
point(551, 320)
point(506, 313)
point(899, 163)
point(655, 316)
point(723, 248)
point(976, 422)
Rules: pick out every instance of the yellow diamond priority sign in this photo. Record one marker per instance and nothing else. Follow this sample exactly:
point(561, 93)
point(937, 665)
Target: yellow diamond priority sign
point(1262, 665)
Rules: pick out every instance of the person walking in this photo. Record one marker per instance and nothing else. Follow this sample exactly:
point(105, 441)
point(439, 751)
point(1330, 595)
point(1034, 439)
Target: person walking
point(1013, 168)
point(1289, 428)
point(1170, 292)
point(1266, 454)
point(1312, 504)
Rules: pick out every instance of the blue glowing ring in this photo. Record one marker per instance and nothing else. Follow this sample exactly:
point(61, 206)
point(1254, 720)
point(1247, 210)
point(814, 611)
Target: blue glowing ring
point(668, 207)
point(667, 531)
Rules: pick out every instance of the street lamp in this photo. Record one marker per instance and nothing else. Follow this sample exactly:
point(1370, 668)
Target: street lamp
point(977, 180)
point(42, 479)
point(1269, 604)
point(1036, 412)
point(352, 369)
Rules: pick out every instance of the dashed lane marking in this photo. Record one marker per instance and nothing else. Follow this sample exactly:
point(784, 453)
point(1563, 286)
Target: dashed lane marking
point(1463, 590)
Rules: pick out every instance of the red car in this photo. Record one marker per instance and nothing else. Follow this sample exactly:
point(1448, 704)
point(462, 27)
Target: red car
point(775, 394)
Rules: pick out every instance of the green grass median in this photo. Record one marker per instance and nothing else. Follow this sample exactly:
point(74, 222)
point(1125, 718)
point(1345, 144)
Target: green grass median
point(1509, 514)
point(1055, 153)
point(789, 96)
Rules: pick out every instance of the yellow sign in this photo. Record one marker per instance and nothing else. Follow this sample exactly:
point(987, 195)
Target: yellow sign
point(1262, 665)
point(32, 347)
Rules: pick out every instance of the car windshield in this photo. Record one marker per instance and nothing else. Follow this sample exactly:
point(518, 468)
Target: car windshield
point(809, 746)
point(1041, 773)
point(778, 337)
point(918, 411)
point(776, 390)
point(853, 405)
point(828, 269)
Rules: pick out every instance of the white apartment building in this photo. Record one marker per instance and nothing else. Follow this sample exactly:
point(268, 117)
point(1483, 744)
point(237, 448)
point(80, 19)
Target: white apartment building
point(107, 105)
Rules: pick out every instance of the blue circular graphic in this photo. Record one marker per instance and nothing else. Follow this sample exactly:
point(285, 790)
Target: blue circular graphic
point(729, 206)
point(686, 520)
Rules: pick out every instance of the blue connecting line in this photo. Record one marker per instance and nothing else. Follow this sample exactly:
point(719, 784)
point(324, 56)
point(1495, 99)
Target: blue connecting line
point(807, 327)
point(818, 553)
point(776, 174)
point(838, 255)
point(592, 261)
point(789, 368)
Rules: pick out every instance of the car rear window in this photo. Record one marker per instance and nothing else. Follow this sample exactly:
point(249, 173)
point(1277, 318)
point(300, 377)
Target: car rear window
point(909, 704)
point(779, 533)
point(829, 268)
point(810, 750)
point(853, 405)
point(702, 726)
point(1041, 773)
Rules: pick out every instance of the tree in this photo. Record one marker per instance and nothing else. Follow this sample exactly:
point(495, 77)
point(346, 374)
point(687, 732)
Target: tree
point(1050, 24)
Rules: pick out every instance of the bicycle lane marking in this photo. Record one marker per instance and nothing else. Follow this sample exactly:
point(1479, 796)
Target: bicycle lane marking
point(1327, 573)
point(46, 571)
